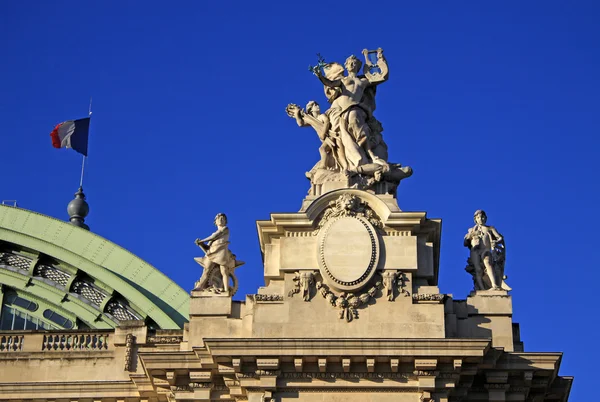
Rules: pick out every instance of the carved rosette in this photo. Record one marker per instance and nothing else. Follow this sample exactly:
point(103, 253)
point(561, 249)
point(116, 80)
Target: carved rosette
point(348, 252)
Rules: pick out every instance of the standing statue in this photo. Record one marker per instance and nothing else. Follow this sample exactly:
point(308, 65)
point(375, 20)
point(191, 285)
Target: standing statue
point(219, 262)
point(353, 154)
point(488, 255)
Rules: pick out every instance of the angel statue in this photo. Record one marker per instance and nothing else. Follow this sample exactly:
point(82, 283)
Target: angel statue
point(487, 256)
point(352, 142)
point(219, 262)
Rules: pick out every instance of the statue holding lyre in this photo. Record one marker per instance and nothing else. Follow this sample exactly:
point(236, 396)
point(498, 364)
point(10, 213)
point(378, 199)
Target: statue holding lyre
point(353, 152)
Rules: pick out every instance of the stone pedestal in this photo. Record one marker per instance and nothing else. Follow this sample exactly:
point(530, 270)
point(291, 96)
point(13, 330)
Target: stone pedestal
point(484, 314)
point(207, 304)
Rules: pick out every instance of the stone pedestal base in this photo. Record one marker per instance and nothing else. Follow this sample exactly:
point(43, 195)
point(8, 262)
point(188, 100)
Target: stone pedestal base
point(209, 304)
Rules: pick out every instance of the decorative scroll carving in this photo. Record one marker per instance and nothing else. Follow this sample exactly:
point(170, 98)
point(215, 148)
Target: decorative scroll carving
point(129, 342)
point(348, 303)
point(303, 281)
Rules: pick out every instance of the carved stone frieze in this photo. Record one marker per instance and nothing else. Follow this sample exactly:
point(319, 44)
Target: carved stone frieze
point(348, 376)
point(429, 297)
point(258, 373)
point(164, 339)
point(268, 298)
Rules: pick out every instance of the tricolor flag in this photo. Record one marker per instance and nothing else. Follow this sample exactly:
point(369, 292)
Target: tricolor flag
point(72, 134)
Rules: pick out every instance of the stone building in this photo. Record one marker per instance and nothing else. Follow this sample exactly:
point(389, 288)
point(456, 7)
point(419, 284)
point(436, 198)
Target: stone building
point(350, 311)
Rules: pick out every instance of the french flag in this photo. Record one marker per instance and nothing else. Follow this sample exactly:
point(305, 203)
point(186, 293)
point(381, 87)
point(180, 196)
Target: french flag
point(72, 134)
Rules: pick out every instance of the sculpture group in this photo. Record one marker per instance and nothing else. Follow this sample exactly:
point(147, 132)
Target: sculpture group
point(353, 154)
point(353, 151)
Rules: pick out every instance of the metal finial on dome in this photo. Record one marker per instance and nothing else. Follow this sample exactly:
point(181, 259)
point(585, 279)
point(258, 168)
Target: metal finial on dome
point(78, 209)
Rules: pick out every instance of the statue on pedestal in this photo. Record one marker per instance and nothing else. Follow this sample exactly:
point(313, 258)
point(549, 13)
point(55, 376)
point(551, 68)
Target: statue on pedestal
point(219, 262)
point(488, 255)
point(353, 150)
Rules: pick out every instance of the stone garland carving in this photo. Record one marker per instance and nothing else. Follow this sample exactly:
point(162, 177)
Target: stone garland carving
point(267, 298)
point(219, 262)
point(487, 255)
point(391, 279)
point(303, 282)
point(348, 303)
point(129, 342)
point(429, 297)
point(353, 152)
point(349, 205)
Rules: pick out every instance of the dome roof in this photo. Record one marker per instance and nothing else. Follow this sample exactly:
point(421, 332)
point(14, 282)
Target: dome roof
point(74, 278)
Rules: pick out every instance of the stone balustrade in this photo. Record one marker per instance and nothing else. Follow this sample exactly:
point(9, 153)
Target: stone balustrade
point(11, 343)
point(55, 341)
point(75, 341)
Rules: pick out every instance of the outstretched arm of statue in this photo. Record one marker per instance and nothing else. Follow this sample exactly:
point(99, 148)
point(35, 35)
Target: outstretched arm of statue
point(327, 82)
point(297, 113)
point(298, 116)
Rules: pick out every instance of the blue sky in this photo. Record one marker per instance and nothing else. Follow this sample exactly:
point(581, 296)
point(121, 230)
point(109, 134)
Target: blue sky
point(495, 105)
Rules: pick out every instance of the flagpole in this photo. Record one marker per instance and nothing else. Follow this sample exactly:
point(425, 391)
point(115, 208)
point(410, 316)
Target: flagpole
point(84, 157)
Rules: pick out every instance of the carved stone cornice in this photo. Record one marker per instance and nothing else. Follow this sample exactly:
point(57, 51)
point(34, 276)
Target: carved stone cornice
point(346, 347)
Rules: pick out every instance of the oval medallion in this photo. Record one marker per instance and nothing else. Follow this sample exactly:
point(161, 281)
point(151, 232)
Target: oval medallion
point(348, 252)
